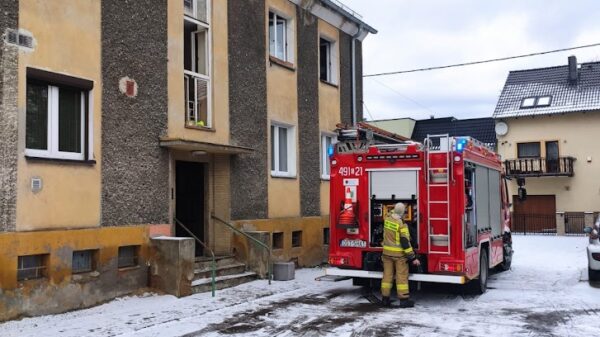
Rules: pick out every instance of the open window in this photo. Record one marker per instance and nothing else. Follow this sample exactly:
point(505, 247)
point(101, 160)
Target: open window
point(328, 60)
point(197, 61)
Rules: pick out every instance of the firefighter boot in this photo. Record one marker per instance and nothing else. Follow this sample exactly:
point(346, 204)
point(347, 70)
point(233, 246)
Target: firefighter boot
point(406, 303)
point(385, 301)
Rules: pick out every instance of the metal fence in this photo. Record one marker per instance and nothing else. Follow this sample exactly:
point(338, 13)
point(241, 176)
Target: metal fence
point(543, 224)
point(574, 223)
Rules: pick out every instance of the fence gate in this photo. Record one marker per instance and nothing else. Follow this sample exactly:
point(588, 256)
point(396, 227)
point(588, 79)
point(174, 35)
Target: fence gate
point(536, 215)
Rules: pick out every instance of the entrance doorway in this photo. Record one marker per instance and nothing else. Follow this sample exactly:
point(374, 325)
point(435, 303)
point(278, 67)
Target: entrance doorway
point(189, 200)
point(536, 214)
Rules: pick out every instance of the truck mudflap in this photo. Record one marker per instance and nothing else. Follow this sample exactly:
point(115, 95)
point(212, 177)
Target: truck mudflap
point(332, 271)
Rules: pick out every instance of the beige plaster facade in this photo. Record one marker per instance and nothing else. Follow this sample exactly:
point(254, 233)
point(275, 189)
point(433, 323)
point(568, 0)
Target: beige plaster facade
point(575, 133)
point(68, 44)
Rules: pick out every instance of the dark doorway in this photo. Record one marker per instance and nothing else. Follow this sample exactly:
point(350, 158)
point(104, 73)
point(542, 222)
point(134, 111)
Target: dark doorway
point(552, 156)
point(536, 214)
point(189, 200)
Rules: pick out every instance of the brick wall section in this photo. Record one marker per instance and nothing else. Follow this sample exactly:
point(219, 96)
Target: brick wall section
point(308, 112)
point(248, 108)
point(135, 171)
point(8, 118)
point(222, 199)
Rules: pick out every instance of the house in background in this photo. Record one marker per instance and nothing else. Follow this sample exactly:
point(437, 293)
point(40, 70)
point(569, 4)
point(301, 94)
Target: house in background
point(400, 126)
point(547, 121)
point(123, 121)
point(481, 129)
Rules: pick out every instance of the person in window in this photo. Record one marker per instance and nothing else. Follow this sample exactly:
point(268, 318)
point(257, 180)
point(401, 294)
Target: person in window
point(397, 251)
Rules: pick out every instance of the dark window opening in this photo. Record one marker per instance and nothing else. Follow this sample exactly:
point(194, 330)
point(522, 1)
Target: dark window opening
point(297, 239)
point(32, 267)
point(528, 150)
point(325, 60)
point(83, 261)
point(128, 256)
point(325, 236)
point(277, 240)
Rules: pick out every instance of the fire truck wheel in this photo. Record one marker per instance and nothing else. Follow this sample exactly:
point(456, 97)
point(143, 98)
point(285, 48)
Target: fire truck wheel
point(479, 286)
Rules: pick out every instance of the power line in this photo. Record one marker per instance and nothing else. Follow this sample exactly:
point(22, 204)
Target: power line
point(404, 96)
point(368, 111)
point(480, 62)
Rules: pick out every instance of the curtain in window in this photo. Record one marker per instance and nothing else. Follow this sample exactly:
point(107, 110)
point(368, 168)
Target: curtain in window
point(36, 133)
point(529, 150)
point(283, 149)
point(69, 120)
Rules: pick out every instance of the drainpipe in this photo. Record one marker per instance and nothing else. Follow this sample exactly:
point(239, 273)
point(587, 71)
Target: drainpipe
point(354, 103)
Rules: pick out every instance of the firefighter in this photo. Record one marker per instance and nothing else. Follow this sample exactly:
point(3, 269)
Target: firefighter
point(397, 251)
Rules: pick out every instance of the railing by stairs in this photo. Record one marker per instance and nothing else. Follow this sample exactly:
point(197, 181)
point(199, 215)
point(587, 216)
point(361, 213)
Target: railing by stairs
point(213, 264)
point(258, 242)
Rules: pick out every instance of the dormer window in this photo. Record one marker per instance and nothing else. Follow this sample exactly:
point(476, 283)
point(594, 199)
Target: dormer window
point(537, 101)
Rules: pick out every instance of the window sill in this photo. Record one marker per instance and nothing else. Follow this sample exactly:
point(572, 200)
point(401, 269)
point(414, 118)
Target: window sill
point(331, 84)
point(126, 269)
point(59, 160)
point(283, 176)
point(202, 128)
point(281, 63)
point(84, 276)
point(325, 178)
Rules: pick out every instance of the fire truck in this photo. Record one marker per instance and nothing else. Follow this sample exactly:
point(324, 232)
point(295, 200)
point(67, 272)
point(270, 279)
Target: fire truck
point(455, 194)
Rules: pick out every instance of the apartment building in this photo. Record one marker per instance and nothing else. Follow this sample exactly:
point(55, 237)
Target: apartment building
point(122, 121)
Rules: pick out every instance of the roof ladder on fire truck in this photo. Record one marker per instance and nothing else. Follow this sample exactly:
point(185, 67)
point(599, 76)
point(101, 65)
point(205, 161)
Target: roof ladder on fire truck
point(438, 154)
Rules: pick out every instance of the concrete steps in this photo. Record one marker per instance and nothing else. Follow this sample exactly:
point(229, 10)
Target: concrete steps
point(229, 273)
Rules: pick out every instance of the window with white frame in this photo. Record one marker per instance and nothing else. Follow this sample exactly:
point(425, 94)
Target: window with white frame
point(280, 37)
point(327, 142)
point(328, 60)
point(283, 151)
point(197, 60)
point(56, 118)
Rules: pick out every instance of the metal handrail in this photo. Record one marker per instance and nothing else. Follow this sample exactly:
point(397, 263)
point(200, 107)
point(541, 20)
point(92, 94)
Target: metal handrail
point(258, 242)
point(213, 264)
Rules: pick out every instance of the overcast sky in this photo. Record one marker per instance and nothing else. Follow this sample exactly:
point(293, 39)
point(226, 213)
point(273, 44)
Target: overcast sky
point(422, 33)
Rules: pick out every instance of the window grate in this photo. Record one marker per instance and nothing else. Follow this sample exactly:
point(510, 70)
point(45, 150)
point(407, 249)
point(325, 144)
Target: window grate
point(83, 261)
point(15, 37)
point(32, 267)
point(128, 256)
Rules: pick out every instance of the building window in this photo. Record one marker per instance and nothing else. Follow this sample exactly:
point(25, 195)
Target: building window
point(32, 267)
point(327, 142)
point(55, 120)
point(326, 236)
point(197, 61)
point(283, 151)
point(83, 261)
point(197, 9)
point(536, 101)
point(277, 240)
point(280, 37)
point(328, 60)
point(296, 239)
point(128, 256)
point(528, 150)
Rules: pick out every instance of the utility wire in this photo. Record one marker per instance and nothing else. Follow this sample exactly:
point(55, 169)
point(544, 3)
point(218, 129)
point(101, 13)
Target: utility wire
point(368, 111)
point(404, 96)
point(480, 62)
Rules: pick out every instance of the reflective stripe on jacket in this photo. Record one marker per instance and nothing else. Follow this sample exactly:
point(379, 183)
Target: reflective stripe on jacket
point(396, 239)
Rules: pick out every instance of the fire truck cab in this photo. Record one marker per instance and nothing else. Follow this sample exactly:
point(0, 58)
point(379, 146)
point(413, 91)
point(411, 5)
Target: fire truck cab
point(456, 201)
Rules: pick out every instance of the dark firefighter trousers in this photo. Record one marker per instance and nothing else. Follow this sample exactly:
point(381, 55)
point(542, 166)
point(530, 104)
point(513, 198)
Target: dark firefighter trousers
point(400, 266)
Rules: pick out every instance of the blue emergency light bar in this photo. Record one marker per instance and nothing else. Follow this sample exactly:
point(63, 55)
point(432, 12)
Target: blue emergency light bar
point(461, 143)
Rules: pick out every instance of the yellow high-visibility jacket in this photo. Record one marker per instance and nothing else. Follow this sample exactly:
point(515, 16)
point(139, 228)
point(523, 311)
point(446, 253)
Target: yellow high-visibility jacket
point(396, 239)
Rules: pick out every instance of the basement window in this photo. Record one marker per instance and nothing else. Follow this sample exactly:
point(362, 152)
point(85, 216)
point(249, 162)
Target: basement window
point(128, 256)
point(32, 267)
point(277, 240)
point(83, 261)
point(326, 236)
point(57, 117)
point(296, 239)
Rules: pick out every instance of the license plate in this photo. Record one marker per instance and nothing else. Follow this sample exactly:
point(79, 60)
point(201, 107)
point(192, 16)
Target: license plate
point(353, 243)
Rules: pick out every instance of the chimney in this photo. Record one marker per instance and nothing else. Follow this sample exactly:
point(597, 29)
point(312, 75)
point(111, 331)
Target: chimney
point(573, 72)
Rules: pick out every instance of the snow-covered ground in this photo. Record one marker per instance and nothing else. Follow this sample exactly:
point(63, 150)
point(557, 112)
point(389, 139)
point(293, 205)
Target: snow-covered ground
point(544, 294)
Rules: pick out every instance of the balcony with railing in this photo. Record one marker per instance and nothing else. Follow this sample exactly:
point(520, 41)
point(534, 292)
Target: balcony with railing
point(539, 167)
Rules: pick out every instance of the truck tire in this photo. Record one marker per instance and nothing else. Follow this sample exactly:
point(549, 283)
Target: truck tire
point(507, 253)
point(594, 275)
point(478, 286)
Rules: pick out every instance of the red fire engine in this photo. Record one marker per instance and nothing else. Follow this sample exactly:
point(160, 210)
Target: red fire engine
point(457, 207)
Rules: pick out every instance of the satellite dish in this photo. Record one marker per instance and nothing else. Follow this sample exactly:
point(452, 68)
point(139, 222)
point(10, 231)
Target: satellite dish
point(501, 128)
